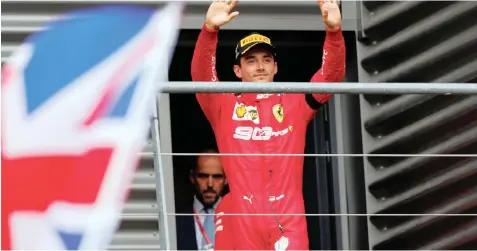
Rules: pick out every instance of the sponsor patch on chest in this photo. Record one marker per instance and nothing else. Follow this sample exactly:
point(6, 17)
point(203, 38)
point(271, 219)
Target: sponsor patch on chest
point(245, 113)
point(257, 133)
point(278, 112)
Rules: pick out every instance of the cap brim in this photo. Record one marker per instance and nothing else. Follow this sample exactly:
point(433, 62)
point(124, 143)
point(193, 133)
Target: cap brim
point(254, 45)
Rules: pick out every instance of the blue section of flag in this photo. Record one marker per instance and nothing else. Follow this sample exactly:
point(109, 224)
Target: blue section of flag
point(121, 108)
point(75, 45)
point(71, 241)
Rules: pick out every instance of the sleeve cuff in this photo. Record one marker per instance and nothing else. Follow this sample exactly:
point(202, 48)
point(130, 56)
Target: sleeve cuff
point(204, 28)
point(334, 34)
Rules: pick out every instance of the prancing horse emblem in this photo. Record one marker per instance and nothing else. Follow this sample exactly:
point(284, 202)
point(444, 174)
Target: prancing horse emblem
point(278, 112)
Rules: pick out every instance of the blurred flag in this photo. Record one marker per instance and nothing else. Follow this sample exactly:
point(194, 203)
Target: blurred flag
point(77, 99)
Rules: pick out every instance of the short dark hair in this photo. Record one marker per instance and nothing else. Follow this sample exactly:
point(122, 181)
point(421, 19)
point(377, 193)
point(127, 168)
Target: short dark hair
point(207, 150)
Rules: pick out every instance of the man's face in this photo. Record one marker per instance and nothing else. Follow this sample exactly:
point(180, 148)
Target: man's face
point(209, 179)
point(257, 65)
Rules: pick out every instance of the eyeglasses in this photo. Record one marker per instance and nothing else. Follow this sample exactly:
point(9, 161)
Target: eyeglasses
point(207, 175)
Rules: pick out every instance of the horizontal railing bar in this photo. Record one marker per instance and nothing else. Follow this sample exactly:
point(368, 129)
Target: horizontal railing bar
point(337, 88)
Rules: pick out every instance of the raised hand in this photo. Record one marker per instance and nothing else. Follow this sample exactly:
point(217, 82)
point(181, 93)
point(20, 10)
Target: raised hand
point(330, 12)
point(219, 13)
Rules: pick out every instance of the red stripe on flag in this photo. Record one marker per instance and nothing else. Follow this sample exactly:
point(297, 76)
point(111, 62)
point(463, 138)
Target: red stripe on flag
point(34, 183)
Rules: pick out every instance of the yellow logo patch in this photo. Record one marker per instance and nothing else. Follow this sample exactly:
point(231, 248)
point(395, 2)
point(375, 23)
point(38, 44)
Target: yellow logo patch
point(240, 111)
point(278, 112)
point(253, 39)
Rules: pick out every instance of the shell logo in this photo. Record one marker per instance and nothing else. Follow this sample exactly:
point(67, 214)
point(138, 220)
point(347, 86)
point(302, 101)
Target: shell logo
point(240, 111)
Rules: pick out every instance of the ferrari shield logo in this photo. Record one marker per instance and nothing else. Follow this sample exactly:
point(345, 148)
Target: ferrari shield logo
point(278, 112)
point(245, 113)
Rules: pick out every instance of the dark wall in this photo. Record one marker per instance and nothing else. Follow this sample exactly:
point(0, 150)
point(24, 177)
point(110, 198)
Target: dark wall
point(420, 44)
point(299, 57)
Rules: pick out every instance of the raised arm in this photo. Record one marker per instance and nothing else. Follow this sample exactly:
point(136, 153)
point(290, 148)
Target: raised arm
point(333, 65)
point(204, 61)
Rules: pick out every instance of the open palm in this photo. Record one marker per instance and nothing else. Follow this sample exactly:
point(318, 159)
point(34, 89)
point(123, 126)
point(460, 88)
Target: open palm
point(220, 13)
point(331, 13)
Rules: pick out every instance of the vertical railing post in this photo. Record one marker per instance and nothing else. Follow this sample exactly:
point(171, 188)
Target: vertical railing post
point(160, 189)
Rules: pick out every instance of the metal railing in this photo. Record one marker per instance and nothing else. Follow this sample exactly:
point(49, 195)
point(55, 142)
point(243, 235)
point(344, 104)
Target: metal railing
point(286, 87)
point(336, 88)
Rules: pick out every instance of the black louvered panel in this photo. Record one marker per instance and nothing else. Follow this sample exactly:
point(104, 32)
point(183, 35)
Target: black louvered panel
point(373, 5)
point(414, 41)
point(420, 41)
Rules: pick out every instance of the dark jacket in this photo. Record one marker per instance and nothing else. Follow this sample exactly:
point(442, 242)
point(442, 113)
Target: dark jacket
point(185, 227)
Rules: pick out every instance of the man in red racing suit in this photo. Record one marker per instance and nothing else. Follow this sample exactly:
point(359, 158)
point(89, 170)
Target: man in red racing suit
point(269, 186)
point(224, 228)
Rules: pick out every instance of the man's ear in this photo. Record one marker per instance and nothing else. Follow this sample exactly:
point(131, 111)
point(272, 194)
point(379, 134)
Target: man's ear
point(226, 182)
point(191, 177)
point(276, 69)
point(238, 71)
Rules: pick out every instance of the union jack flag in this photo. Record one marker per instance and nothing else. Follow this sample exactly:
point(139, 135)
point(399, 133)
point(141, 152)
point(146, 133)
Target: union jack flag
point(77, 98)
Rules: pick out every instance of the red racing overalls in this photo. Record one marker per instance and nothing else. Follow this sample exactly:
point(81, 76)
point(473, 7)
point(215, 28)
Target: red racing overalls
point(271, 124)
